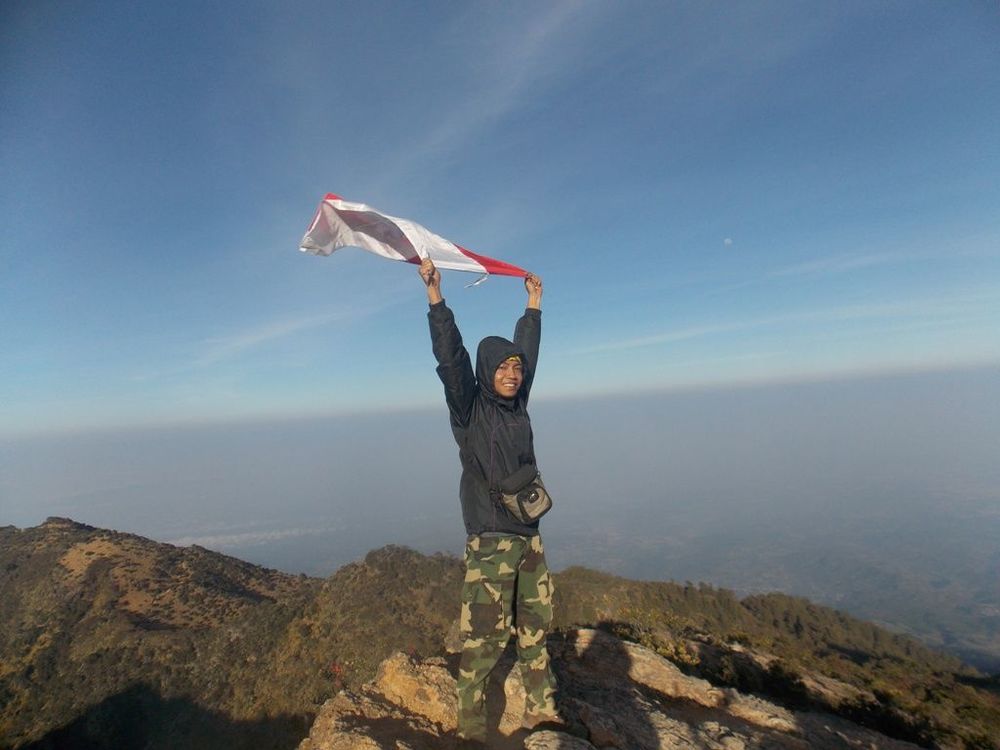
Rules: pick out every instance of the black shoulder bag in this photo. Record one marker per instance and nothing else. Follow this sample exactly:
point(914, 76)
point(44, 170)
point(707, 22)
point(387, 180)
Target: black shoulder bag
point(523, 495)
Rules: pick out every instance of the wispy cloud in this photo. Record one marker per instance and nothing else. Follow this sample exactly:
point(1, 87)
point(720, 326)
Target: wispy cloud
point(935, 311)
point(248, 538)
point(227, 347)
point(974, 247)
point(728, 359)
point(513, 66)
point(666, 337)
point(841, 264)
point(218, 349)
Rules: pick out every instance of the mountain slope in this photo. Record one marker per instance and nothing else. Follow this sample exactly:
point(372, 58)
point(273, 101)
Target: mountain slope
point(90, 617)
point(110, 639)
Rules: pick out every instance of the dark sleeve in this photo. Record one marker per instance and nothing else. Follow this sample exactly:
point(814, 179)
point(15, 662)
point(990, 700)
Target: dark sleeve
point(454, 366)
point(528, 336)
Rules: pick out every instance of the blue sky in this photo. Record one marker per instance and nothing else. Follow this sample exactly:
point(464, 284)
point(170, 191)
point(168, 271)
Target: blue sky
point(714, 194)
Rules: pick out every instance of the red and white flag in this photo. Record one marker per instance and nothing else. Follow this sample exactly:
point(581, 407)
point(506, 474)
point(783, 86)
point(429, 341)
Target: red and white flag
point(339, 223)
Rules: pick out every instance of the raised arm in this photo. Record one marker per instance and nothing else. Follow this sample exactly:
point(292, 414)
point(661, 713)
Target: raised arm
point(528, 331)
point(454, 365)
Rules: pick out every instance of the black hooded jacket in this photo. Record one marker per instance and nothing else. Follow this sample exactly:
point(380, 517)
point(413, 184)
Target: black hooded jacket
point(493, 433)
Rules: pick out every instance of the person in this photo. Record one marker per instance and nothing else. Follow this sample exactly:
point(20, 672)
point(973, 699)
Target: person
point(506, 578)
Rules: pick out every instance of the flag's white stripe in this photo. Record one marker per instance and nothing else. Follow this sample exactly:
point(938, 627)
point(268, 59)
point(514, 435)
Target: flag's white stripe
point(339, 223)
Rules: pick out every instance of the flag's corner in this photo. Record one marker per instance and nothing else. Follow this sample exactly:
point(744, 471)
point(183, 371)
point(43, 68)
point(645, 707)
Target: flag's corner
point(477, 282)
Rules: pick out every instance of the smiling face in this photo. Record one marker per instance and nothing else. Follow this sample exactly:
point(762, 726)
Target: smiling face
point(508, 377)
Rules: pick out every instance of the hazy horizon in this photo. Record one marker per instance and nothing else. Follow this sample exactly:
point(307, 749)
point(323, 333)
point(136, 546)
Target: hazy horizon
point(798, 488)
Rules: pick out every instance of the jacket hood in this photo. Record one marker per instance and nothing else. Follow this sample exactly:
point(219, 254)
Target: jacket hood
point(492, 351)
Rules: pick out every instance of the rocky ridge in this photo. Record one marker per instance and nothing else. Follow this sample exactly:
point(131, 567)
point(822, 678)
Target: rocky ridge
point(613, 694)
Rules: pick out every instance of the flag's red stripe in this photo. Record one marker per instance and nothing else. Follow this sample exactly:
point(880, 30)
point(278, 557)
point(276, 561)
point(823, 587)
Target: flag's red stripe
point(493, 266)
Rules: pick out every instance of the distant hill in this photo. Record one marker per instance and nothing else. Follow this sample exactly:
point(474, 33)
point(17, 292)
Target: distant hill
point(112, 640)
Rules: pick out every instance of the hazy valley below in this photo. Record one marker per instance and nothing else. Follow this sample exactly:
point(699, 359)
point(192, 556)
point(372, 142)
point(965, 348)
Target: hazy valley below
point(877, 496)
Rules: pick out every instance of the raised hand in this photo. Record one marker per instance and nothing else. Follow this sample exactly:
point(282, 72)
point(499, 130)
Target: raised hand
point(432, 280)
point(534, 286)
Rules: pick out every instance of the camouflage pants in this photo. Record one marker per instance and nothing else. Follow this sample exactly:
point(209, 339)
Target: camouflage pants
point(506, 579)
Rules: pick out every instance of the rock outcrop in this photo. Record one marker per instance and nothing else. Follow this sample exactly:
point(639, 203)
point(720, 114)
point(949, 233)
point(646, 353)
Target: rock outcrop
point(613, 694)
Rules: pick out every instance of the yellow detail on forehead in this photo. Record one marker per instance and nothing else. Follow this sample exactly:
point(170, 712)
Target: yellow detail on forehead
point(513, 358)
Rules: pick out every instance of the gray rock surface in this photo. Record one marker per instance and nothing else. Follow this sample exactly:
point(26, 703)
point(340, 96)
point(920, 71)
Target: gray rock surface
point(613, 694)
point(548, 740)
